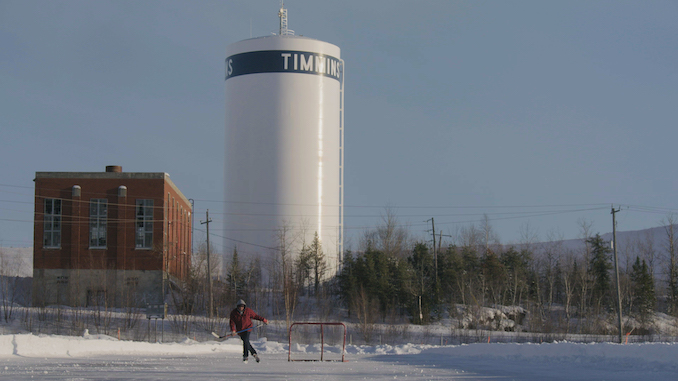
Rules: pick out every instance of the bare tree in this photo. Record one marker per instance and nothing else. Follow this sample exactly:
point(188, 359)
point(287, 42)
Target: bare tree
point(529, 237)
point(252, 277)
point(627, 250)
point(569, 278)
point(470, 240)
point(490, 237)
point(99, 293)
point(10, 285)
point(470, 236)
point(195, 296)
point(584, 278)
point(392, 237)
point(646, 250)
point(285, 275)
point(366, 310)
point(553, 250)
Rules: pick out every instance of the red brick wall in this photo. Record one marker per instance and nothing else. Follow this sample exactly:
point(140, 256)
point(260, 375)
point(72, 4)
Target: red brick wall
point(170, 233)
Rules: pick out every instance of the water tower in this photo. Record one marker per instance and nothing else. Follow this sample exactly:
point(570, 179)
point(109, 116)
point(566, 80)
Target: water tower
point(284, 145)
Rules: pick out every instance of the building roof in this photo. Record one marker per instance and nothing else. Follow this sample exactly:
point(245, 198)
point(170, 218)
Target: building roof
point(112, 175)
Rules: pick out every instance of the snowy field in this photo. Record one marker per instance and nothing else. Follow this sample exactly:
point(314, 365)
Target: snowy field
point(98, 357)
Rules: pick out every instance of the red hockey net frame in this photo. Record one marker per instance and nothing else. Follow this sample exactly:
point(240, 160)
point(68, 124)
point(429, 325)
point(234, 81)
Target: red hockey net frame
point(322, 341)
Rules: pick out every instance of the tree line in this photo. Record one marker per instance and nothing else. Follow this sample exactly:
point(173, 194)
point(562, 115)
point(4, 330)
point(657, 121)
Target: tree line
point(563, 289)
point(392, 277)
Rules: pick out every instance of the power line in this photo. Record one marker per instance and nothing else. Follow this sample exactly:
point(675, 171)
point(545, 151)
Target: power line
point(359, 206)
point(365, 215)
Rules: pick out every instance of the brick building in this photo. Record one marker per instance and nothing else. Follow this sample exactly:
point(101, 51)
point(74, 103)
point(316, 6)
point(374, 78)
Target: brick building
point(108, 238)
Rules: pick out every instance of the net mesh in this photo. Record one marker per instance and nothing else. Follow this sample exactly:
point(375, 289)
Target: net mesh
point(317, 342)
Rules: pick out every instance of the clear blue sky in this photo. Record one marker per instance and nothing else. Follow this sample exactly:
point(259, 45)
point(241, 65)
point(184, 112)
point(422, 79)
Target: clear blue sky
point(454, 109)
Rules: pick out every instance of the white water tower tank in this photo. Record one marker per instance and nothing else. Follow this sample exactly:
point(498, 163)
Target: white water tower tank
point(284, 146)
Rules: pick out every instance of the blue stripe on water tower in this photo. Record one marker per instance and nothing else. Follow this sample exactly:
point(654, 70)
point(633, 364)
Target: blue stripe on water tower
point(283, 61)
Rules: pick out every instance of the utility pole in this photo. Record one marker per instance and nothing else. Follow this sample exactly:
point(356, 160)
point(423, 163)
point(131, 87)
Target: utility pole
point(616, 272)
point(435, 257)
point(209, 268)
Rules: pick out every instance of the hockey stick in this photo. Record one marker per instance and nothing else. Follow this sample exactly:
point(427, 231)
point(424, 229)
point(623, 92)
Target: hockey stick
point(233, 334)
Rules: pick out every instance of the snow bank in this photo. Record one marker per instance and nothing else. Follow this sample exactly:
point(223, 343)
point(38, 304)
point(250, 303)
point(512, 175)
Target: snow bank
point(6, 345)
point(404, 349)
point(29, 345)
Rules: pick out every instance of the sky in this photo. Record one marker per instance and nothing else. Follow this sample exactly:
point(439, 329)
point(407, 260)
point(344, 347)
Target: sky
point(27, 356)
point(537, 115)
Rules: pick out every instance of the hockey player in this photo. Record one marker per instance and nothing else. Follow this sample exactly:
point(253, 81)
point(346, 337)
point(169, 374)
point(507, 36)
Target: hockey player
point(241, 321)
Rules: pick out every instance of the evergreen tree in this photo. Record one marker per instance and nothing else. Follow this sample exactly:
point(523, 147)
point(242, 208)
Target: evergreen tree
point(381, 283)
point(348, 282)
point(380, 278)
point(450, 270)
point(235, 277)
point(421, 262)
point(401, 282)
point(644, 299)
point(317, 262)
point(600, 266)
point(303, 266)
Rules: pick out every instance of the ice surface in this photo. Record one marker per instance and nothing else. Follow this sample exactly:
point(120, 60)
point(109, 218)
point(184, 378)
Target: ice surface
point(28, 356)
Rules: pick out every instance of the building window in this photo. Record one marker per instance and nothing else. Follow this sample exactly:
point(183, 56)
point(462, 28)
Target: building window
point(144, 235)
point(52, 231)
point(98, 214)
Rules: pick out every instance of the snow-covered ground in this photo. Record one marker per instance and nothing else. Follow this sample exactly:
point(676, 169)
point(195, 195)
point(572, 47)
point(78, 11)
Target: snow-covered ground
point(99, 357)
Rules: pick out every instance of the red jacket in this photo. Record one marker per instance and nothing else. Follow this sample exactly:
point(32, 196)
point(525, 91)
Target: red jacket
point(243, 321)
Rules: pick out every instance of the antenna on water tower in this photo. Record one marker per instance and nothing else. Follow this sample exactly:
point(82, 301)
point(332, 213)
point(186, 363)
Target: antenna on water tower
point(283, 21)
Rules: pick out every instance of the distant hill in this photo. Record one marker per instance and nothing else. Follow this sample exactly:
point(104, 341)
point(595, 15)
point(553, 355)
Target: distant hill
point(625, 238)
point(24, 255)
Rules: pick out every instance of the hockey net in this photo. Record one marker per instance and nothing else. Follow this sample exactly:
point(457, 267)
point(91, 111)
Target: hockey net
point(317, 342)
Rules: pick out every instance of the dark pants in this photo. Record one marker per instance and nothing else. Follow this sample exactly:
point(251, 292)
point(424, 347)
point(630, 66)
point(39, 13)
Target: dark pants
point(246, 346)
